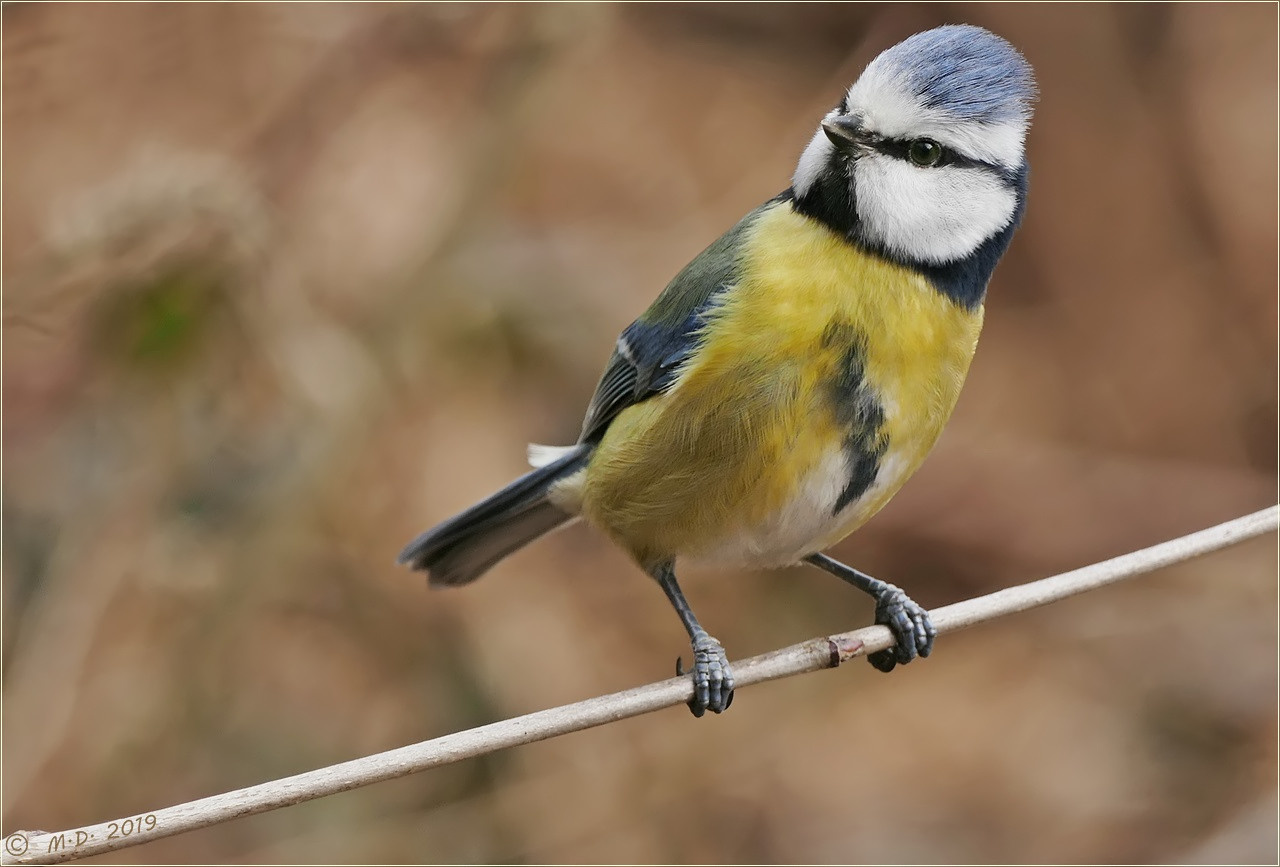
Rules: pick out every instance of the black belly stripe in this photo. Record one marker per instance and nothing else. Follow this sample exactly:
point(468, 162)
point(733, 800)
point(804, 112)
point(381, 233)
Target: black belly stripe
point(857, 410)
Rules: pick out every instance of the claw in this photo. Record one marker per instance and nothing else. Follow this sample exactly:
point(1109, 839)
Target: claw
point(712, 677)
point(913, 631)
point(910, 624)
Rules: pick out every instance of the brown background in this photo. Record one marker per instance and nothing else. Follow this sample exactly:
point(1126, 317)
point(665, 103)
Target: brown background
point(286, 284)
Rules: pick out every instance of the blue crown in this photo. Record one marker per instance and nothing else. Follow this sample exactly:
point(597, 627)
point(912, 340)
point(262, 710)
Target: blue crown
point(965, 71)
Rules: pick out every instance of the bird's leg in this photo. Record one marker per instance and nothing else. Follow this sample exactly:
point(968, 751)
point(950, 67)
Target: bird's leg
point(910, 624)
point(712, 677)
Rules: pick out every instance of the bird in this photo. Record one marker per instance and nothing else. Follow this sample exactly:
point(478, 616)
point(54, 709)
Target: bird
point(792, 377)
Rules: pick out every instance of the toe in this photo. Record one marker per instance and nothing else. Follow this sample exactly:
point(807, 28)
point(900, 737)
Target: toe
point(723, 687)
point(904, 633)
point(912, 629)
point(883, 660)
point(713, 679)
point(905, 649)
point(726, 688)
point(926, 633)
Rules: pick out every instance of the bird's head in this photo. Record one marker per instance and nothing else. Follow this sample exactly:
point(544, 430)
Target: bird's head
point(923, 157)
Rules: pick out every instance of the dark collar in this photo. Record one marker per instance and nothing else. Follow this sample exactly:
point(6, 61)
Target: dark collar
point(830, 202)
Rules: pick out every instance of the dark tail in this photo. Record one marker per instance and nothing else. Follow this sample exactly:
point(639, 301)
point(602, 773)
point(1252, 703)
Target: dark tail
point(464, 547)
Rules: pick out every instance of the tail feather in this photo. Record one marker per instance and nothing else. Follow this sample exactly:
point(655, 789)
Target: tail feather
point(464, 547)
point(540, 455)
point(466, 560)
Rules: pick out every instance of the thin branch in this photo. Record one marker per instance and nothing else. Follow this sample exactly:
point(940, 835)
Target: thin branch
point(40, 847)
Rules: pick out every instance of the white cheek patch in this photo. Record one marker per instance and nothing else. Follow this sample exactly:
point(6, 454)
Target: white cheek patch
point(816, 157)
point(889, 109)
point(934, 215)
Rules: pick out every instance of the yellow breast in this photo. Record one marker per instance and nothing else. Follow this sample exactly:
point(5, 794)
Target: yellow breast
point(746, 458)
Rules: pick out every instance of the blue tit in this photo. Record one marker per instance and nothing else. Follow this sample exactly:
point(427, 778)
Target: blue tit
point(796, 373)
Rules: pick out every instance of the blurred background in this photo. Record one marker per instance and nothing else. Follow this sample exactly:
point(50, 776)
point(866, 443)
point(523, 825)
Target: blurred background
point(286, 284)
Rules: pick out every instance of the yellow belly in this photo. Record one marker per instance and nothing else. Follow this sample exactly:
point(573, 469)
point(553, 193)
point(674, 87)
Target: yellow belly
point(743, 459)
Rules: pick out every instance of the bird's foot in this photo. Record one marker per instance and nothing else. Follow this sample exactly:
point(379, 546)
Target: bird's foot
point(712, 676)
point(910, 624)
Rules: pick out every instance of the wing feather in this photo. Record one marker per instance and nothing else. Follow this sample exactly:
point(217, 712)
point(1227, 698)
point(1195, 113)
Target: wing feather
point(648, 356)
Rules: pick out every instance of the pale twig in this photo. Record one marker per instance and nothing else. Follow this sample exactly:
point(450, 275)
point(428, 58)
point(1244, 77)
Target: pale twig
point(39, 847)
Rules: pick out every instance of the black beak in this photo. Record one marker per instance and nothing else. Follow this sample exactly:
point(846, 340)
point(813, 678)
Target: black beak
point(847, 133)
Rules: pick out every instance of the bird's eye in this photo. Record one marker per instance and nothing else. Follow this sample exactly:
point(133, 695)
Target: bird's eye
point(924, 152)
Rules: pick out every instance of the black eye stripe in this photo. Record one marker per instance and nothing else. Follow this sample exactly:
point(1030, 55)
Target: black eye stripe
point(899, 148)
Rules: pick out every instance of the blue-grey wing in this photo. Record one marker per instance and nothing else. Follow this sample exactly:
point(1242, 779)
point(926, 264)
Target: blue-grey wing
point(644, 363)
point(649, 353)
